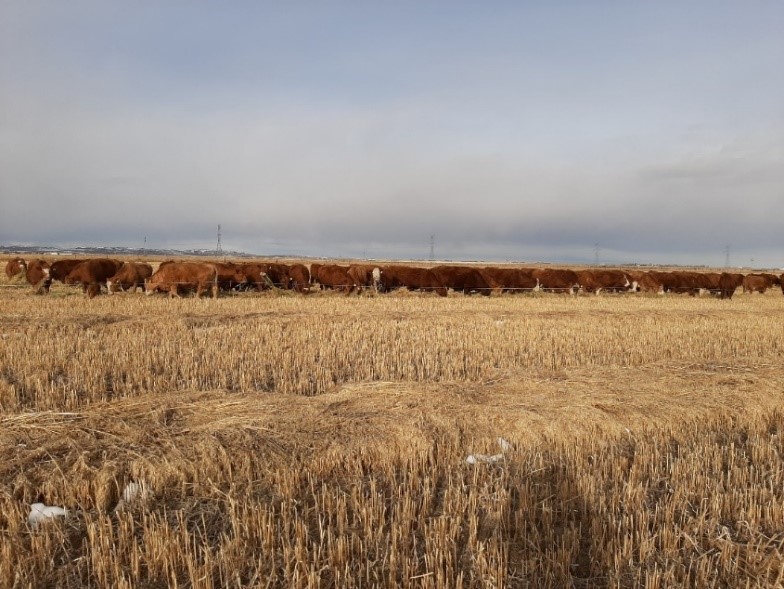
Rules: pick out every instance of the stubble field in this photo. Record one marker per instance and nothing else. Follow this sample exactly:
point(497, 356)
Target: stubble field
point(284, 440)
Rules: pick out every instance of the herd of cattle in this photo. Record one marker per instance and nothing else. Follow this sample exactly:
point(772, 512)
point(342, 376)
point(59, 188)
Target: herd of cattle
point(178, 278)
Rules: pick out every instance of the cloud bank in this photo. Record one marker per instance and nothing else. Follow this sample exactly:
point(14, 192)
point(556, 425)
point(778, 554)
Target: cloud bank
point(340, 140)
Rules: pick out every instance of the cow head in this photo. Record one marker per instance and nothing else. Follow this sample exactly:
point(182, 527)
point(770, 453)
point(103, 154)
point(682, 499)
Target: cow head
point(22, 264)
point(239, 278)
point(376, 279)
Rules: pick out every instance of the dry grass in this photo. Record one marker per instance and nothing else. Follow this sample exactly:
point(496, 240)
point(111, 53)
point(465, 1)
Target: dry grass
point(321, 441)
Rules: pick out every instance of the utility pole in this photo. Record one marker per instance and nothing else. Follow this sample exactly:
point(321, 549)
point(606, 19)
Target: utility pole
point(432, 247)
point(727, 256)
point(219, 249)
point(144, 249)
point(596, 254)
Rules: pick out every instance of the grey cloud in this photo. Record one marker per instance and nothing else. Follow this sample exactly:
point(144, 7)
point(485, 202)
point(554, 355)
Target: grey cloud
point(314, 180)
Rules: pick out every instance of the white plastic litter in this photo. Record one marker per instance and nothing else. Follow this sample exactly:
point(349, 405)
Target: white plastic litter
point(477, 458)
point(504, 444)
point(40, 512)
point(133, 491)
point(490, 458)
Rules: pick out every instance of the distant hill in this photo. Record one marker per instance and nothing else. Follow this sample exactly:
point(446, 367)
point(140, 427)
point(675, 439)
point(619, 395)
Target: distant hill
point(115, 251)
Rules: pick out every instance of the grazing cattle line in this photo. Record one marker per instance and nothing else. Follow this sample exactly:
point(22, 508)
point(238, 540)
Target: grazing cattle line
point(214, 277)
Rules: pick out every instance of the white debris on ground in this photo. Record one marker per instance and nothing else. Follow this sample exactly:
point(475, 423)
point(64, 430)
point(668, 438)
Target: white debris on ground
point(491, 458)
point(487, 458)
point(133, 491)
point(40, 512)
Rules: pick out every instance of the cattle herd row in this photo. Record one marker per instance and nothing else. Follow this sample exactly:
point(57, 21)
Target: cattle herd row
point(178, 278)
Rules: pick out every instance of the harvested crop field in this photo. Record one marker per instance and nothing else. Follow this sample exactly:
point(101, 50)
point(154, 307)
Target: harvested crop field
point(277, 440)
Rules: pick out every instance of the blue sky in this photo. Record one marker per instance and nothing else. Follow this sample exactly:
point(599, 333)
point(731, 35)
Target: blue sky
point(510, 131)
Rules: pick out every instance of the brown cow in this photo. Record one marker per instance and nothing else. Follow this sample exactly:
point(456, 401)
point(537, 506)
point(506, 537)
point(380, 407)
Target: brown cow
point(551, 279)
point(695, 283)
point(314, 272)
point(668, 280)
point(299, 278)
point(331, 276)
point(37, 275)
point(278, 274)
point(61, 268)
point(254, 276)
point(264, 275)
point(230, 275)
point(362, 276)
point(513, 280)
point(462, 278)
point(15, 267)
point(712, 282)
point(130, 276)
point(596, 280)
point(759, 282)
point(91, 274)
point(410, 277)
point(178, 277)
point(686, 281)
point(645, 282)
point(728, 283)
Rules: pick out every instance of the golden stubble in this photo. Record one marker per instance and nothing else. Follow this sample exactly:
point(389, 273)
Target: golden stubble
point(321, 441)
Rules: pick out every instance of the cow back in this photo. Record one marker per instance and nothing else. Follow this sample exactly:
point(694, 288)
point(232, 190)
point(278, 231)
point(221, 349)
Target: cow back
point(62, 268)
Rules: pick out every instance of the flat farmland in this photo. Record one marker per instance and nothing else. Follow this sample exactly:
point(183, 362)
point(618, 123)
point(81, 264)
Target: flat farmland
point(282, 440)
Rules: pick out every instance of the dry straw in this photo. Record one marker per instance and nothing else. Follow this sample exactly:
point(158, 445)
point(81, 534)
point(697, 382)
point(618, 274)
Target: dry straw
point(322, 441)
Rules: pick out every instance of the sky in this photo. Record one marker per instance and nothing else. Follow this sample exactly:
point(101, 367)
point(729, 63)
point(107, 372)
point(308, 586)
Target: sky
point(568, 131)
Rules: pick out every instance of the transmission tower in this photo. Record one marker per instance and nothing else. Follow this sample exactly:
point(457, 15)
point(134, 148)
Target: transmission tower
point(219, 249)
point(727, 256)
point(432, 247)
point(596, 253)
